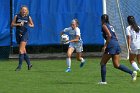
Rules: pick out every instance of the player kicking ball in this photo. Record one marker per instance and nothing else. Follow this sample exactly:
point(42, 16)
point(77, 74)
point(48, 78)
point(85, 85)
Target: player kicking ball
point(75, 43)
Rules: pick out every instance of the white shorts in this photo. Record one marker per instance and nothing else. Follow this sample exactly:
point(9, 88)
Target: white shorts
point(137, 51)
point(77, 46)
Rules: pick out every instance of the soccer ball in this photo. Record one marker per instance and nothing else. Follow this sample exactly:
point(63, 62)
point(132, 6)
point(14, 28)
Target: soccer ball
point(64, 38)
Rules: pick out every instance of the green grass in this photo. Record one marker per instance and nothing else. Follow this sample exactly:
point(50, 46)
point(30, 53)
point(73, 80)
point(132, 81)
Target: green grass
point(48, 76)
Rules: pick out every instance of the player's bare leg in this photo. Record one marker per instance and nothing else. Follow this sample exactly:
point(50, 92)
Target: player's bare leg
point(80, 58)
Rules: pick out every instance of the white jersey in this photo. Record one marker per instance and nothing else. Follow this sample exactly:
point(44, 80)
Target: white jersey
point(73, 33)
point(135, 38)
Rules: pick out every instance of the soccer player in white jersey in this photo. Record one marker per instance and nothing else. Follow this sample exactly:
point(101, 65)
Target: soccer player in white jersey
point(133, 40)
point(75, 43)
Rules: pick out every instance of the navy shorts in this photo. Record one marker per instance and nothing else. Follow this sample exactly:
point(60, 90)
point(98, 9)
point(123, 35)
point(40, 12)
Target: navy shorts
point(21, 37)
point(113, 50)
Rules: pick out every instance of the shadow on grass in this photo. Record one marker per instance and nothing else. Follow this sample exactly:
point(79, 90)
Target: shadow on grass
point(71, 82)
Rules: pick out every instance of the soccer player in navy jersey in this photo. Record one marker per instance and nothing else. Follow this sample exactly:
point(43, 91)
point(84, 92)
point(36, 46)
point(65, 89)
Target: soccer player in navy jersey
point(21, 21)
point(112, 50)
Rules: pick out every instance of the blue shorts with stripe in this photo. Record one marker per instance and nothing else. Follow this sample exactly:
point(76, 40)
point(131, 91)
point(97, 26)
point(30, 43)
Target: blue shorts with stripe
point(113, 50)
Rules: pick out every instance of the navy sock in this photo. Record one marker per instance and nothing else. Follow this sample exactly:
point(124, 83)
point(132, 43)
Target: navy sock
point(26, 57)
point(21, 56)
point(103, 73)
point(125, 69)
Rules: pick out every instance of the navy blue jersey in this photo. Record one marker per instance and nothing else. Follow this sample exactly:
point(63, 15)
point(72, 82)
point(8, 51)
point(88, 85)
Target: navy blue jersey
point(22, 29)
point(113, 41)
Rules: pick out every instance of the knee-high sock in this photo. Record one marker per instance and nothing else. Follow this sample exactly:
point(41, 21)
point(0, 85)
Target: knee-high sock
point(135, 66)
point(68, 61)
point(82, 60)
point(21, 56)
point(26, 58)
point(103, 73)
point(125, 69)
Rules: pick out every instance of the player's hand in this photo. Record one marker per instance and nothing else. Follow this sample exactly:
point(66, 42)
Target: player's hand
point(22, 23)
point(20, 35)
point(103, 49)
point(129, 49)
point(67, 42)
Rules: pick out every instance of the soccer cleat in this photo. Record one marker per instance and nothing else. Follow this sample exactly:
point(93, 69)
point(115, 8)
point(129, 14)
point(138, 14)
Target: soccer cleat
point(30, 66)
point(82, 64)
point(18, 69)
point(102, 83)
point(68, 70)
point(134, 75)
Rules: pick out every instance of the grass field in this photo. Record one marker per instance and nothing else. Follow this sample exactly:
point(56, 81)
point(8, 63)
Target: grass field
point(48, 76)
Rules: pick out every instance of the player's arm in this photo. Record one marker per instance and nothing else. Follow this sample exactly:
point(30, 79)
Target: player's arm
point(128, 36)
point(108, 36)
point(77, 36)
point(128, 41)
point(76, 39)
point(31, 24)
point(64, 31)
point(14, 22)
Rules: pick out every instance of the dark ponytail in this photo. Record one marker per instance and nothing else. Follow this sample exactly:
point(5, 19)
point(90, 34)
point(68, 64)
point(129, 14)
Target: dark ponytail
point(105, 19)
point(131, 21)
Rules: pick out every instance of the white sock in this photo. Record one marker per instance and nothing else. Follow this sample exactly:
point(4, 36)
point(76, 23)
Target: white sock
point(135, 66)
point(82, 60)
point(68, 61)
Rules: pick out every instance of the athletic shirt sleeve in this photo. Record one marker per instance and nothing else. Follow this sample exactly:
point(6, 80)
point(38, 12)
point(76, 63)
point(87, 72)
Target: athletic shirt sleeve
point(17, 16)
point(78, 32)
point(67, 29)
point(128, 31)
